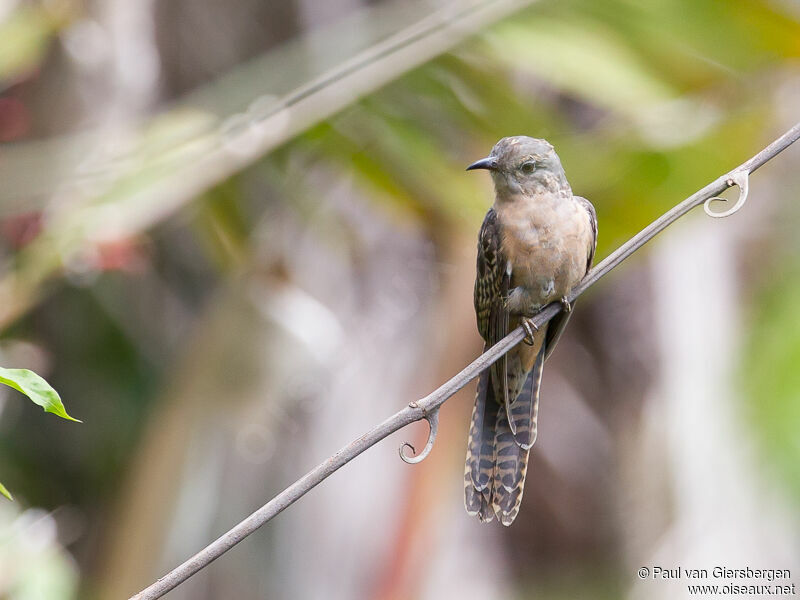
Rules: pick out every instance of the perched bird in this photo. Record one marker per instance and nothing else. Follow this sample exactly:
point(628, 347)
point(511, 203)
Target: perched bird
point(536, 243)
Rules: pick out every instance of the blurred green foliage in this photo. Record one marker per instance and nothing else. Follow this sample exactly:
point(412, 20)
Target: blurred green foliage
point(645, 102)
point(769, 371)
point(25, 36)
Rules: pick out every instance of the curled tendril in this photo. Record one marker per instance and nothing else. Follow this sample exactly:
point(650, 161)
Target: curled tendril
point(741, 180)
point(433, 422)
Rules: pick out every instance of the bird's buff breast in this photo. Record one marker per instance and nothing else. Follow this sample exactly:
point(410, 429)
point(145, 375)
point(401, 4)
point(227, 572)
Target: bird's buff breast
point(547, 242)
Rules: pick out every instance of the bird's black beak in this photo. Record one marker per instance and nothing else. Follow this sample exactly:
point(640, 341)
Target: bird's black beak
point(489, 163)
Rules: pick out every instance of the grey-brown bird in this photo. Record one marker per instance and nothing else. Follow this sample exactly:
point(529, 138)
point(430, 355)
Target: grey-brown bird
point(536, 243)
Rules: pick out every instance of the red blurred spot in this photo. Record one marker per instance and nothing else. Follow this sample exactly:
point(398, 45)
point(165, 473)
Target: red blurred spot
point(15, 119)
point(125, 254)
point(19, 230)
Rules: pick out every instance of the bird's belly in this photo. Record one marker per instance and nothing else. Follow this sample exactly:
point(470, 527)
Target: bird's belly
point(548, 258)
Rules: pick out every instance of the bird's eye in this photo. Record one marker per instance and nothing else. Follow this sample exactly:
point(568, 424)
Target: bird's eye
point(528, 167)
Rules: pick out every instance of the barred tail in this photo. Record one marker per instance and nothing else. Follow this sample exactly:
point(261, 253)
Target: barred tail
point(512, 450)
point(497, 458)
point(479, 468)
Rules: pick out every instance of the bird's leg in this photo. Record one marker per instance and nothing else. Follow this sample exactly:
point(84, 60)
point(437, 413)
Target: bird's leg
point(530, 328)
point(565, 305)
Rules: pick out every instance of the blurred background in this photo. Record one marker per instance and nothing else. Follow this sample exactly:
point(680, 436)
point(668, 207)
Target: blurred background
point(236, 235)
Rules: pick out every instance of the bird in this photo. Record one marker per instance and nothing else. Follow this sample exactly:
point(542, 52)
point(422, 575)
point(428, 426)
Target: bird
point(537, 242)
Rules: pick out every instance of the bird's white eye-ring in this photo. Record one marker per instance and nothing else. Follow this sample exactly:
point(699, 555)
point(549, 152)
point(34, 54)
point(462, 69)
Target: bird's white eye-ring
point(528, 167)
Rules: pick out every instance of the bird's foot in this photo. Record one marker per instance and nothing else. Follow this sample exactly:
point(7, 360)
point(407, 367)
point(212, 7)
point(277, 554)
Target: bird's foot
point(530, 328)
point(565, 305)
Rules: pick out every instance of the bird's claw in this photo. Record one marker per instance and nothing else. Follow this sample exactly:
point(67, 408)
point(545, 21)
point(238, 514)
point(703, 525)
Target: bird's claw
point(530, 328)
point(565, 305)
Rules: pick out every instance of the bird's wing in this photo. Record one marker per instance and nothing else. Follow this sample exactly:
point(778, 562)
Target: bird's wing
point(557, 323)
point(479, 470)
point(589, 207)
point(491, 291)
point(491, 271)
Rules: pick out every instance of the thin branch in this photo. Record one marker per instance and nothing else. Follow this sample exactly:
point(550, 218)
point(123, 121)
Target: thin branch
point(428, 407)
point(406, 34)
point(121, 190)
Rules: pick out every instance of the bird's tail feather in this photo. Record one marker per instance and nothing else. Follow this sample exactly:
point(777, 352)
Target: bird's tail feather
point(479, 469)
point(525, 409)
point(509, 475)
point(497, 459)
point(512, 449)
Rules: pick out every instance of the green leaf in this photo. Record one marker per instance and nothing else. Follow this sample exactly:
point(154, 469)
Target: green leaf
point(5, 492)
point(35, 388)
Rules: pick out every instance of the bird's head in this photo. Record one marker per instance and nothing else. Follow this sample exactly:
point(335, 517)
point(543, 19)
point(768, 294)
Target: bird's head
point(524, 165)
